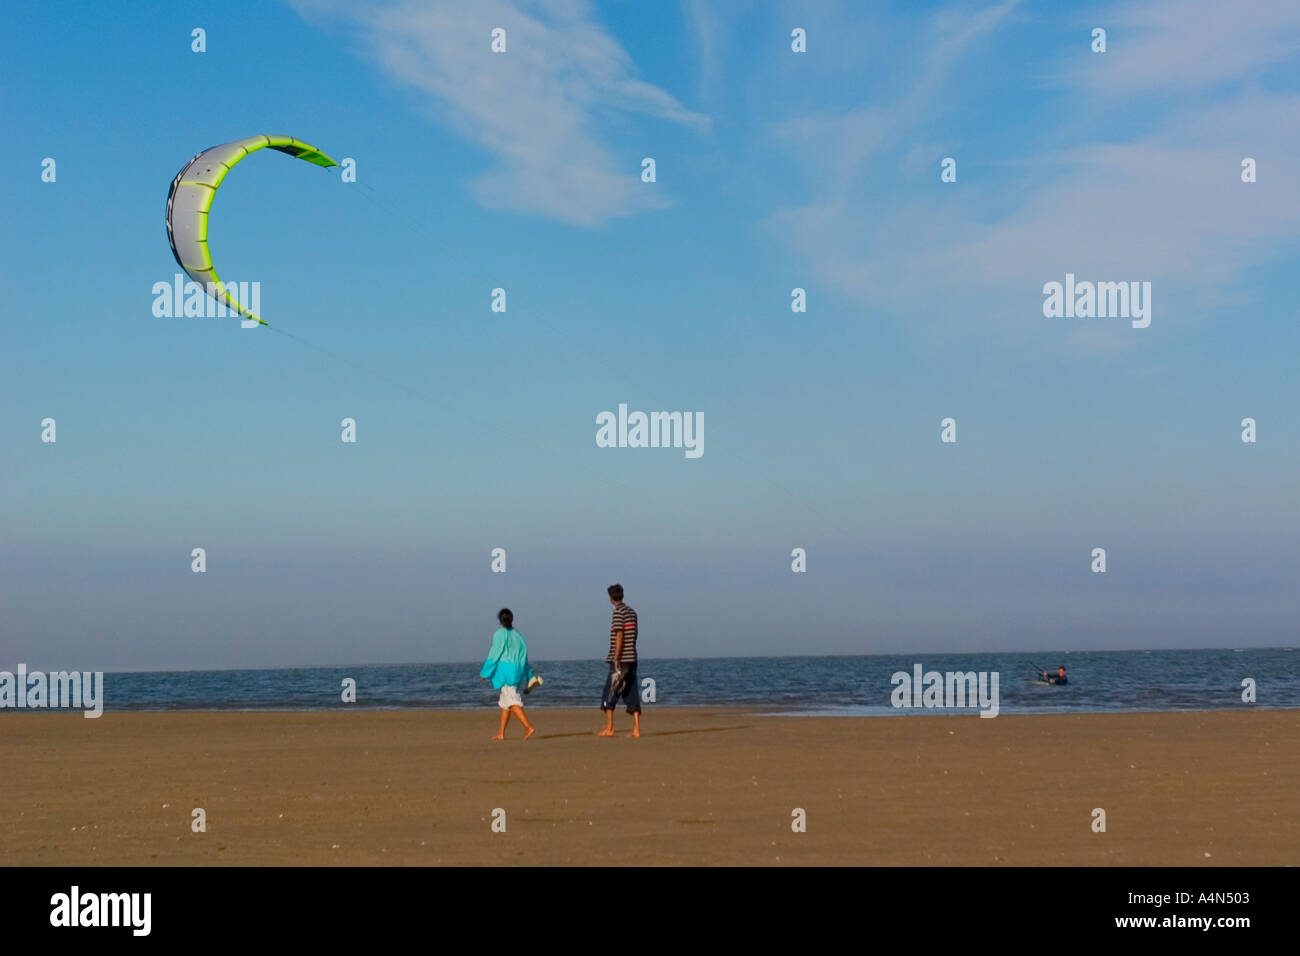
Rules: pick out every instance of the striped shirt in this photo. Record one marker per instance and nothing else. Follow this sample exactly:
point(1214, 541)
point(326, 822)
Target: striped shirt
point(624, 619)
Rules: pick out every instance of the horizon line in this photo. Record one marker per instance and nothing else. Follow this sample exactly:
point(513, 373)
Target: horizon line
point(721, 657)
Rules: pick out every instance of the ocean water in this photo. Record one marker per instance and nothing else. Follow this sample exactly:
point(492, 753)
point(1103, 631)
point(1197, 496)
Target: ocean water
point(1100, 682)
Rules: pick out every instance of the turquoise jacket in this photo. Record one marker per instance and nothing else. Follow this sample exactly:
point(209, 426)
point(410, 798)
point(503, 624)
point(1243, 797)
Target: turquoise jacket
point(507, 661)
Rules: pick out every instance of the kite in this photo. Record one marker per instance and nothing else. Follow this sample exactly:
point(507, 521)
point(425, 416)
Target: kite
point(190, 199)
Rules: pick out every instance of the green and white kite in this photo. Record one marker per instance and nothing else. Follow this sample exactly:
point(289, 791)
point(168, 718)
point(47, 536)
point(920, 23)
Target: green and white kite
point(190, 199)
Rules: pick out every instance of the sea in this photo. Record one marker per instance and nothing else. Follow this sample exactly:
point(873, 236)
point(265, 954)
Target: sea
point(1099, 682)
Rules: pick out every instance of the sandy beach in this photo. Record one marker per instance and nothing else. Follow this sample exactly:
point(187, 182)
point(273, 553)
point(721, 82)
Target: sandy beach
point(703, 786)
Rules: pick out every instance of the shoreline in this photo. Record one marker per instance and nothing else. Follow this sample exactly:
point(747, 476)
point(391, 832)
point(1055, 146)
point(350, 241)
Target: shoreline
point(704, 785)
point(848, 713)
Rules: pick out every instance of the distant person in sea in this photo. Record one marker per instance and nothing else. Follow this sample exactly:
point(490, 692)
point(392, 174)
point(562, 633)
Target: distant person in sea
point(1057, 678)
point(507, 667)
point(621, 684)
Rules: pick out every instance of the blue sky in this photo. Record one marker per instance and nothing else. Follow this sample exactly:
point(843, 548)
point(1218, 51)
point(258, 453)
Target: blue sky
point(477, 429)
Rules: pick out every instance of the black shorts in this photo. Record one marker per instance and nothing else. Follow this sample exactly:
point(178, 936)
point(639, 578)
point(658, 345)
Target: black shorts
point(630, 694)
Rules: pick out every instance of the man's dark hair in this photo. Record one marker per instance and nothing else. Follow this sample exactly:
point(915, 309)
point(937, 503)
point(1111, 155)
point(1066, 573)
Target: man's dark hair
point(615, 591)
point(506, 617)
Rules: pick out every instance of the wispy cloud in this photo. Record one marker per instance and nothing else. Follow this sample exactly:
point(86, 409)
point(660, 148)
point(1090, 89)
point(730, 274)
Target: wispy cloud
point(535, 108)
point(705, 26)
point(837, 145)
point(1160, 201)
point(1190, 45)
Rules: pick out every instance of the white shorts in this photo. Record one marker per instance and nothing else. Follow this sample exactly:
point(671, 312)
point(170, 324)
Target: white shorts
point(509, 697)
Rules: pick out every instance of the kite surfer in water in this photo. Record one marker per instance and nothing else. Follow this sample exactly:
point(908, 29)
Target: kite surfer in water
point(1057, 678)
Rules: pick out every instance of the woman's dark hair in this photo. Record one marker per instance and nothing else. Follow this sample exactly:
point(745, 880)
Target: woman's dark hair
point(506, 617)
point(615, 591)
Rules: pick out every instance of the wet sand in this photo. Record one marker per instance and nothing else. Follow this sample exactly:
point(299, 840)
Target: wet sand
point(702, 786)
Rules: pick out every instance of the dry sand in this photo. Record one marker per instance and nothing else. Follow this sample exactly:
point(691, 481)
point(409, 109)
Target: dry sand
point(703, 786)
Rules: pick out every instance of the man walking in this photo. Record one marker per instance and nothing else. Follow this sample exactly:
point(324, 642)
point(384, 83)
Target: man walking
point(621, 682)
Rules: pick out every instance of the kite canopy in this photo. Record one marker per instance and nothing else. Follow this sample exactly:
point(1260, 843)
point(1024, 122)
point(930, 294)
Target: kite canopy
point(190, 199)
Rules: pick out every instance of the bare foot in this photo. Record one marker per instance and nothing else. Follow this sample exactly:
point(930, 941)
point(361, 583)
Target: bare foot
point(529, 732)
point(635, 733)
point(605, 733)
point(498, 736)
